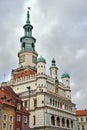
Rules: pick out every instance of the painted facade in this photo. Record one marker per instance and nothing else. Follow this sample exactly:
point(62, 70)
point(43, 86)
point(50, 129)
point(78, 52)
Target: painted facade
point(10, 108)
point(48, 99)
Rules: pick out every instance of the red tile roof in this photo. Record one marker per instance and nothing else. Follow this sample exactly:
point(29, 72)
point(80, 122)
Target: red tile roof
point(81, 113)
point(7, 94)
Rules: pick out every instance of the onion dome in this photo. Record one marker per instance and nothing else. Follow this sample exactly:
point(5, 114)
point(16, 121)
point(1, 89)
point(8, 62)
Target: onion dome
point(64, 75)
point(41, 59)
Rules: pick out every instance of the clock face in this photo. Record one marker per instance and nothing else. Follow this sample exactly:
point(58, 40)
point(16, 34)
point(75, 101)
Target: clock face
point(21, 59)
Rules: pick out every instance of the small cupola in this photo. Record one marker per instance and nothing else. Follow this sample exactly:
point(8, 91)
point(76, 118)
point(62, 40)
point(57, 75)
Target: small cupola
point(66, 79)
point(65, 75)
point(53, 69)
point(41, 59)
point(41, 65)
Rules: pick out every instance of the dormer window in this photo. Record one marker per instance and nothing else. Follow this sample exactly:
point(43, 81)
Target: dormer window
point(3, 98)
point(10, 100)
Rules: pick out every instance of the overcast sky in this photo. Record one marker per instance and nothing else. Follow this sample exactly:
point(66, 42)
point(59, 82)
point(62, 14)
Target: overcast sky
point(60, 28)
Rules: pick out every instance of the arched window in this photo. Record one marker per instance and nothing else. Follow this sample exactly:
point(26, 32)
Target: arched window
point(63, 122)
point(28, 29)
point(67, 123)
point(52, 120)
point(58, 121)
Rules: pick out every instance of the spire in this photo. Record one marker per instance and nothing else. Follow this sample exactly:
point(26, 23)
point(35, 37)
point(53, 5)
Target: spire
point(28, 16)
point(53, 63)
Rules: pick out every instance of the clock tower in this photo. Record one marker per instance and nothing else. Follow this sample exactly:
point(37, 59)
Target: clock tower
point(27, 55)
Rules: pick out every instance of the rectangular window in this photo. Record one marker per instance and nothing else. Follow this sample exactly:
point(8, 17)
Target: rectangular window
point(34, 59)
point(86, 118)
point(25, 119)
point(81, 119)
point(18, 118)
point(34, 120)
point(35, 102)
point(18, 106)
point(26, 103)
point(83, 128)
point(77, 119)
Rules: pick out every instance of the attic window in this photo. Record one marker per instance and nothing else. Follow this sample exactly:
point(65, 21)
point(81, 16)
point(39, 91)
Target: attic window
point(3, 98)
point(9, 100)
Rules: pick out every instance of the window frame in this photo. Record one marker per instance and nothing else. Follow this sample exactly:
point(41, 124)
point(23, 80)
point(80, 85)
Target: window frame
point(5, 126)
point(25, 119)
point(5, 118)
point(18, 118)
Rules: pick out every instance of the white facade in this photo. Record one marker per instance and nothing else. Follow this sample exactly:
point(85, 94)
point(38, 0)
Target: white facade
point(50, 100)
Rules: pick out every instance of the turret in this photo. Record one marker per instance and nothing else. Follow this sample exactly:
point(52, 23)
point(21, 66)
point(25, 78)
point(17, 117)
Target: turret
point(53, 69)
point(66, 79)
point(27, 55)
point(66, 82)
point(41, 66)
point(41, 73)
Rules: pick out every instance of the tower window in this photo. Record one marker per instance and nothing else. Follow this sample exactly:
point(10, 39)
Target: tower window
point(53, 102)
point(28, 29)
point(35, 102)
point(34, 120)
point(50, 101)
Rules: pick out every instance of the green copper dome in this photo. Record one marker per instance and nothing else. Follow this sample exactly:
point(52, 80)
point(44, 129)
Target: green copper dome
point(41, 59)
point(64, 75)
